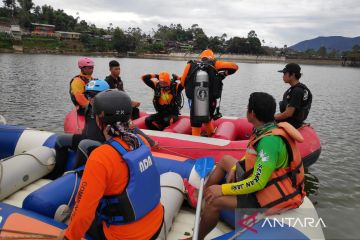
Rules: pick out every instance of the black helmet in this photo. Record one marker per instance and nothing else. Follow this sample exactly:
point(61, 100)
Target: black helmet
point(115, 104)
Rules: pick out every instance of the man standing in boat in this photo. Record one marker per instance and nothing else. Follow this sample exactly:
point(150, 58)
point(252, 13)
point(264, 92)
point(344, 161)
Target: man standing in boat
point(115, 82)
point(167, 99)
point(78, 83)
point(297, 100)
point(268, 177)
point(202, 81)
point(120, 185)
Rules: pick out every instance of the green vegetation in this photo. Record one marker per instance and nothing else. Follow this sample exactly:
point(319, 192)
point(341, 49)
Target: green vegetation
point(5, 41)
point(42, 43)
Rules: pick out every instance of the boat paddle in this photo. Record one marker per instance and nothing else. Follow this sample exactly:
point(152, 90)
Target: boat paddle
point(2, 120)
point(203, 167)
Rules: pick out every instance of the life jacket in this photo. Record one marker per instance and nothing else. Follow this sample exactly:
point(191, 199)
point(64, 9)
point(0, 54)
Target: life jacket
point(142, 193)
point(72, 97)
point(301, 114)
point(285, 188)
point(175, 104)
point(216, 84)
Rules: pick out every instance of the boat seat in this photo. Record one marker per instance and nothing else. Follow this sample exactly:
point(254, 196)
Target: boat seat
point(226, 130)
point(180, 126)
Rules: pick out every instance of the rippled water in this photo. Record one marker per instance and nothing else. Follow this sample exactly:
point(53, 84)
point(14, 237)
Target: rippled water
point(34, 93)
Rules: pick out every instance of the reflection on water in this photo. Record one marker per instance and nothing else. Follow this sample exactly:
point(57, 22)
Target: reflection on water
point(34, 93)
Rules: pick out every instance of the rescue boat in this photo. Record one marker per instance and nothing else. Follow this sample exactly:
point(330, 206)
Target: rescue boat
point(32, 206)
point(230, 138)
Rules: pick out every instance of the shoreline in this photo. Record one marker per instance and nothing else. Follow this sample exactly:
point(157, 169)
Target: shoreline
point(186, 57)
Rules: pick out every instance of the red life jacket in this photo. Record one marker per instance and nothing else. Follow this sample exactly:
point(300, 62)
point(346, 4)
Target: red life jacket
point(285, 188)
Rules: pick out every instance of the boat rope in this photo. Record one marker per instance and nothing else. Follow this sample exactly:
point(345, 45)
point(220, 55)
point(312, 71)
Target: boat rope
point(25, 154)
point(205, 148)
point(177, 153)
point(26, 235)
point(178, 189)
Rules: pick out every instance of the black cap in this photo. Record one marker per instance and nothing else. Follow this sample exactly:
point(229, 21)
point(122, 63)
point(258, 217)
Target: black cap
point(292, 68)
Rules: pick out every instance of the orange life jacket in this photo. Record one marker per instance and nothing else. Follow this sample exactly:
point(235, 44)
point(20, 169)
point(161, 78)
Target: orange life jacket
point(285, 188)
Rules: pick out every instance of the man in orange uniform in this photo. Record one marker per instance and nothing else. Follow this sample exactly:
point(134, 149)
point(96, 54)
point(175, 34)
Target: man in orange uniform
point(78, 83)
point(120, 183)
point(202, 81)
point(167, 99)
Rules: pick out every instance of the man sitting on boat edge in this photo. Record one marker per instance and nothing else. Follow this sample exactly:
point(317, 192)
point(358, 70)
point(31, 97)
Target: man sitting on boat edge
point(269, 178)
point(296, 103)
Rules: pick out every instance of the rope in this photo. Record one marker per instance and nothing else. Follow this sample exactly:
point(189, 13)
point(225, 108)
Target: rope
point(74, 189)
point(26, 154)
point(178, 189)
point(203, 148)
point(177, 153)
point(26, 235)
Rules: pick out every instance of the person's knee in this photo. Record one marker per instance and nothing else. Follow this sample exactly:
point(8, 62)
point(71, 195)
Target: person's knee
point(63, 140)
point(86, 144)
point(148, 121)
point(227, 162)
point(214, 206)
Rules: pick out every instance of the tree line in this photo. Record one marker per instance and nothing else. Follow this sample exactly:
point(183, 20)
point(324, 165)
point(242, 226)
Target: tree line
point(162, 40)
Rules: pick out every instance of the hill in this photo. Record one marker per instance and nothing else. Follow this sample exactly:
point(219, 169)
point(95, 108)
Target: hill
point(332, 42)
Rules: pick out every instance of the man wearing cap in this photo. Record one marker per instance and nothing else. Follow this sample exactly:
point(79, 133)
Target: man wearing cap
point(297, 100)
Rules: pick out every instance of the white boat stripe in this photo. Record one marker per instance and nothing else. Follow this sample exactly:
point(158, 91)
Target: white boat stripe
point(190, 138)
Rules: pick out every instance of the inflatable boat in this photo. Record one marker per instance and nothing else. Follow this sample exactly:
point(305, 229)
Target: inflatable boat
point(33, 206)
point(230, 138)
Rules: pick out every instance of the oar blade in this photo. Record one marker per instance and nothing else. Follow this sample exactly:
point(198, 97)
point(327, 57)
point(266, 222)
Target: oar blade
point(203, 166)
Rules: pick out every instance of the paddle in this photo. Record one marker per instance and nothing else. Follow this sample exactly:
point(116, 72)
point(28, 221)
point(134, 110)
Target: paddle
point(203, 167)
point(2, 120)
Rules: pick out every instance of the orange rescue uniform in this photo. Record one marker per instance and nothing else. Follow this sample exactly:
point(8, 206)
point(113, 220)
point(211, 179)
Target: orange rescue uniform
point(106, 173)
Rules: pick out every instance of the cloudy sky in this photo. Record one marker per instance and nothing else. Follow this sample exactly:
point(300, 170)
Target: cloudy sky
point(278, 22)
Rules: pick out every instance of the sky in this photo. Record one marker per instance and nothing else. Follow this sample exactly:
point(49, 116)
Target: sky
point(278, 22)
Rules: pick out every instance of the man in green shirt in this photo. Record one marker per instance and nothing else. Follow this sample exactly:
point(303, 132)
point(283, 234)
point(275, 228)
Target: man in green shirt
point(266, 157)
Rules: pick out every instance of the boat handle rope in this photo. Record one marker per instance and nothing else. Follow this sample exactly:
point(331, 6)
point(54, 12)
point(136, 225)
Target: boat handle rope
point(26, 235)
point(177, 153)
point(204, 148)
point(178, 189)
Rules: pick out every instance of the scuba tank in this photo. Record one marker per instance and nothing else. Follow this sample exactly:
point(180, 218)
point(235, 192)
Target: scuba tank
point(201, 98)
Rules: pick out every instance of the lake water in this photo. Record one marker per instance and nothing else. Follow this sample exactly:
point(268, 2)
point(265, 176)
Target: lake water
point(34, 93)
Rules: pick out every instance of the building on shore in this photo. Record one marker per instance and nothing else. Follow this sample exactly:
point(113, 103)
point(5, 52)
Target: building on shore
point(44, 30)
point(67, 35)
point(15, 32)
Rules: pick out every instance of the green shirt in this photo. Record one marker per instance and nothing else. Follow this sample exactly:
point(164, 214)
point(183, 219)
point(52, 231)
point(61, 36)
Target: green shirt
point(271, 155)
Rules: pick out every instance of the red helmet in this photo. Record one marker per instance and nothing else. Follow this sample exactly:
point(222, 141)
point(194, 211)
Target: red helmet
point(85, 62)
